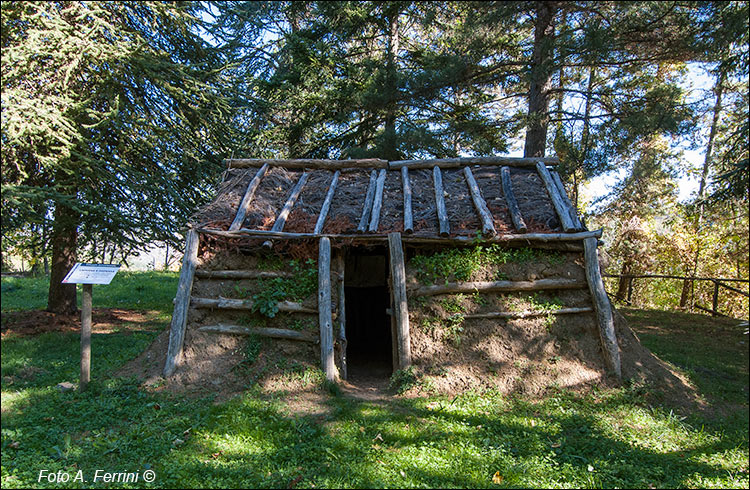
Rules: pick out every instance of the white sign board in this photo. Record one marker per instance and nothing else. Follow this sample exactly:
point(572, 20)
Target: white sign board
point(91, 274)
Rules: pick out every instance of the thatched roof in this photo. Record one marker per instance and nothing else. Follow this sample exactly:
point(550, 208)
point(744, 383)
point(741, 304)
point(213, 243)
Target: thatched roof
point(350, 200)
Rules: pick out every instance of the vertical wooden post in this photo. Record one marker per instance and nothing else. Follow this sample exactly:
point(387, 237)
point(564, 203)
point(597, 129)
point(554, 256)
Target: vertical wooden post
point(602, 306)
point(182, 303)
point(630, 291)
point(715, 306)
point(325, 317)
point(86, 307)
point(340, 267)
point(400, 306)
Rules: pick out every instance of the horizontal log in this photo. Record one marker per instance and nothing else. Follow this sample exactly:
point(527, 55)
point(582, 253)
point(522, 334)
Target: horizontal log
point(727, 286)
point(246, 304)
point(308, 163)
point(527, 314)
point(667, 276)
point(241, 274)
point(504, 286)
point(277, 333)
point(527, 237)
point(463, 161)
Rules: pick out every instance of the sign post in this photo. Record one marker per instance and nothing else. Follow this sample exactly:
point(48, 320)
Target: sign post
point(87, 275)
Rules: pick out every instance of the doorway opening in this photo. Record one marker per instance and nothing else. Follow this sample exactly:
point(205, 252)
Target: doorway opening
point(369, 350)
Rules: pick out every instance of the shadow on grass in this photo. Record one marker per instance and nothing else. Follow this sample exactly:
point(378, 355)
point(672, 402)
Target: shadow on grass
point(603, 439)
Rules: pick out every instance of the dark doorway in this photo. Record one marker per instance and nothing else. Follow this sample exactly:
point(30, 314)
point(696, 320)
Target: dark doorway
point(368, 326)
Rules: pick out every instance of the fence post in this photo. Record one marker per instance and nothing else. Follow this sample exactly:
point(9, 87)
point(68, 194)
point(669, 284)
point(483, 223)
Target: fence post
point(714, 309)
point(630, 291)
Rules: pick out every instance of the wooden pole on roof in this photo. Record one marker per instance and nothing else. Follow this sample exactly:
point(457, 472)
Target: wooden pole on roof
point(400, 305)
point(247, 198)
point(437, 179)
point(510, 198)
point(278, 225)
point(408, 219)
point(325, 317)
point(602, 306)
point(365, 218)
point(377, 202)
point(182, 302)
point(557, 200)
point(568, 203)
point(463, 161)
point(311, 163)
point(488, 227)
point(327, 203)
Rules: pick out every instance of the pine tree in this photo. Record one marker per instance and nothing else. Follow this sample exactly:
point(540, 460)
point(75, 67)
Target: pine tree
point(113, 118)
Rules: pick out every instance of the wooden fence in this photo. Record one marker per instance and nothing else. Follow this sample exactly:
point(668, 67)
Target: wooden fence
point(718, 284)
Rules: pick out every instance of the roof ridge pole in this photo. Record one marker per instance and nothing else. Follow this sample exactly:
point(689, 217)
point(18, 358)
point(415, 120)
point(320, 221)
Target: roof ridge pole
point(488, 228)
point(437, 179)
point(244, 206)
point(602, 306)
point(408, 218)
point(365, 218)
point(327, 203)
point(377, 202)
point(557, 201)
point(510, 200)
point(182, 302)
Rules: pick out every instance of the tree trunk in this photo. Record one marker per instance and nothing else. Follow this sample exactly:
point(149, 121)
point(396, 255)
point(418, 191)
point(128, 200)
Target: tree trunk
point(62, 297)
point(390, 149)
point(719, 90)
point(624, 282)
point(541, 76)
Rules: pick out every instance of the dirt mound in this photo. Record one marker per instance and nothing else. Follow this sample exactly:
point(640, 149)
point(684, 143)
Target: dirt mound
point(103, 320)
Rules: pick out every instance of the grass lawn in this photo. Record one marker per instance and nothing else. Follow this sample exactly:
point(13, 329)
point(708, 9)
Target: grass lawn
point(608, 439)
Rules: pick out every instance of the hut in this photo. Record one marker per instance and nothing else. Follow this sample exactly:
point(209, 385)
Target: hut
point(344, 262)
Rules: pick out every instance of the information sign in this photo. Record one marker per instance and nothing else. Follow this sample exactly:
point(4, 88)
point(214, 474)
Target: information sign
point(91, 274)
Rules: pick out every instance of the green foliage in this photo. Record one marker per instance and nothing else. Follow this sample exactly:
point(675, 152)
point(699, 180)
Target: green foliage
point(302, 284)
point(462, 264)
point(453, 303)
point(300, 324)
point(114, 110)
point(403, 380)
point(253, 346)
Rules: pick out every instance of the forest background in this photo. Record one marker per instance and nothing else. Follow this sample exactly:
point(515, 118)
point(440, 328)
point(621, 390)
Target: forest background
point(116, 116)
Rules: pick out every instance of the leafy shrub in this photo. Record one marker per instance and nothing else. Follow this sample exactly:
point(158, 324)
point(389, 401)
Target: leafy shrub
point(464, 263)
point(303, 283)
point(403, 380)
